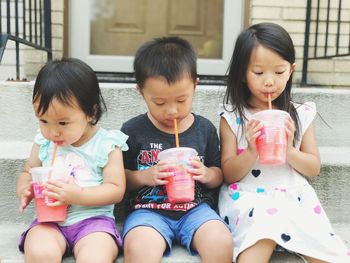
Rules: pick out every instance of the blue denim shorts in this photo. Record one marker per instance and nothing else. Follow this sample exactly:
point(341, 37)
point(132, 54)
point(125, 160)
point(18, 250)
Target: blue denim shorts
point(72, 234)
point(181, 231)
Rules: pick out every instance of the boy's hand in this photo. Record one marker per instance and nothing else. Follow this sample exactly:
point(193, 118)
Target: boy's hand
point(199, 171)
point(63, 192)
point(158, 173)
point(26, 197)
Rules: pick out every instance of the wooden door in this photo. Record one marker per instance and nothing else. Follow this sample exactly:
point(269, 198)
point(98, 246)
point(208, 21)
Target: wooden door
point(107, 33)
point(119, 27)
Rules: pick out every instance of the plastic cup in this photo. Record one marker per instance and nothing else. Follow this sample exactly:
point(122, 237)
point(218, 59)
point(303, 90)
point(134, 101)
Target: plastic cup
point(180, 186)
point(272, 142)
point(44, 212)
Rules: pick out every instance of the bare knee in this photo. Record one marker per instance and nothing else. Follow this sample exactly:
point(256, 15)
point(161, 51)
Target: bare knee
point(96, 247)
point(213, 240)
point(100, 258)
point(261, 251)
point(89, 255)
point(143, 243)
point(36, 253)
point(44, 244)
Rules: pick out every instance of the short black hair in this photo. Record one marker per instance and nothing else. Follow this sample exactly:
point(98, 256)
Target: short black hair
point(62, 79)
point(168, 57)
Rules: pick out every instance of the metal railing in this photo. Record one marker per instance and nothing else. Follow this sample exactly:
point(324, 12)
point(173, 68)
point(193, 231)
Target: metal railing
point(25, 22)
point(327, 32)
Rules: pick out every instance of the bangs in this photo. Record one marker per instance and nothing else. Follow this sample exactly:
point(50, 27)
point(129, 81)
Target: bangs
point(51, 88)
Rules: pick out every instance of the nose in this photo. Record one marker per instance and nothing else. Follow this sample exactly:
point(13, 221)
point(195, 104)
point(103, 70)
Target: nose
point(172, 110)
point(54, 133)
point(268, 82)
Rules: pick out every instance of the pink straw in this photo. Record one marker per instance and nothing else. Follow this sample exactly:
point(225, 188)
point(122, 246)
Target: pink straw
point(53, 158)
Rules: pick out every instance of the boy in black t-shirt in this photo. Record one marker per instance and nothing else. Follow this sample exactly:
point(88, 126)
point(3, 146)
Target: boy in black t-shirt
point(166, 77)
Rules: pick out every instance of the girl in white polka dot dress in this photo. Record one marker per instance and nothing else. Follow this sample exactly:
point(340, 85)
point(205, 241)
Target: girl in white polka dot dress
point(271, 205)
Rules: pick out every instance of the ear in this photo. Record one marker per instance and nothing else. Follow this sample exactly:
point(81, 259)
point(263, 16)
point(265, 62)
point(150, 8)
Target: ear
point(196, 83)
point(139, 90)
point(90, 119)
point(292, 68)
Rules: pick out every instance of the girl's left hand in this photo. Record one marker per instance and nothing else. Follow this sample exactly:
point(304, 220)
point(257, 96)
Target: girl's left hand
point(290, 129)
point(199, 171)
point(65, 193)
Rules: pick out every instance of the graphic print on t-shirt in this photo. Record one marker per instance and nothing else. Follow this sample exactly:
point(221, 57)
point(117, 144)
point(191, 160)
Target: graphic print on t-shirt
point(147, 159)
point(157, 194)
point(154, 197)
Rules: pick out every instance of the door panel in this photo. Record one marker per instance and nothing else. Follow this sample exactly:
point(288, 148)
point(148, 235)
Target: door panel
point(110, 31)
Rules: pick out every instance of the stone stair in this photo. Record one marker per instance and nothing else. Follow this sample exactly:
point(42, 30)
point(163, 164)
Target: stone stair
point(18, 126)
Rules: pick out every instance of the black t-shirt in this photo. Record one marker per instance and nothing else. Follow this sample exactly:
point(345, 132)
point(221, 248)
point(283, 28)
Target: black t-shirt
point(146, 141)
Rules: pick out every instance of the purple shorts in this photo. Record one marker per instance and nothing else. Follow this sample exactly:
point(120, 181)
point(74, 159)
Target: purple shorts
point(73, 233)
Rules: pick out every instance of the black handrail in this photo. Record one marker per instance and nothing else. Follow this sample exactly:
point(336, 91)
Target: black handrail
point(41, 40)
point(330, 50)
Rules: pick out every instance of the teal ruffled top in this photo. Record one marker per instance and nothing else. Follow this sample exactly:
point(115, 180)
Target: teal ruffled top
point(86, 164)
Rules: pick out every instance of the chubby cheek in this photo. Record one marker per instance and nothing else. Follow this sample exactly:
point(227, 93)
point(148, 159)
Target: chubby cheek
point(45, 132)
point(157, 113)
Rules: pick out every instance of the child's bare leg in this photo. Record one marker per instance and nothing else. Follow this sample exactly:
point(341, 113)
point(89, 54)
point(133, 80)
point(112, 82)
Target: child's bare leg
point(44, 243)
point(260, 252)
point(143, 244)
point(213, 241)
point(96, 247)
point(313, 260)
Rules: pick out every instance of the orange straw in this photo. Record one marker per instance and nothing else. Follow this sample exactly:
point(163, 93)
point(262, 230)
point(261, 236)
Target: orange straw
point(176, 134)
point(269, 100)
point(53, 158)
point(54, 154)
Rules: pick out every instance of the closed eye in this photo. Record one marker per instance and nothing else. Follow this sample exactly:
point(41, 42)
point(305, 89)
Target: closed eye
point(280, 72)
point(43, 121)
point(258, 73)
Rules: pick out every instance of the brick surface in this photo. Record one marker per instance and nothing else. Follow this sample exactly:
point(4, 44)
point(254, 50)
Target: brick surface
point(267, 12)
point(342, 65)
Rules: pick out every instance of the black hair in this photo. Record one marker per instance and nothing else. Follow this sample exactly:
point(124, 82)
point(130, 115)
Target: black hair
point(168, 57)
point(275, 38)
point(67, 78)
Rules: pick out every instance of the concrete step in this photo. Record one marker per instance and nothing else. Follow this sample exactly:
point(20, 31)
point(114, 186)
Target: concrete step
point(10, 233)
point(123, 101)
point(332, 186)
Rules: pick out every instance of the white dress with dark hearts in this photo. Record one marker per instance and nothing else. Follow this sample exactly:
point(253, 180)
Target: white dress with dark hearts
point(277, 203)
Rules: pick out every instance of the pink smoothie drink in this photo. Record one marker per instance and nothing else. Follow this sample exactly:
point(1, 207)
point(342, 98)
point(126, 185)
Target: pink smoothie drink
point(44, 212)
point(272, 142)
point(180, 186)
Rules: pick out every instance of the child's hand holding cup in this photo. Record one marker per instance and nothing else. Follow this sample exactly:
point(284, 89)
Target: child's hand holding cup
point(272, 141)
point(180, 186)
point(40, 175)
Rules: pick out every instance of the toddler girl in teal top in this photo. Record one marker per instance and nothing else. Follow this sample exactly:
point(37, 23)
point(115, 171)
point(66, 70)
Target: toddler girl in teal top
point(68, 104)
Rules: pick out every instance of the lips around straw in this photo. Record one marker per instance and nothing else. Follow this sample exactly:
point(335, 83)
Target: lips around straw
point(176, 134)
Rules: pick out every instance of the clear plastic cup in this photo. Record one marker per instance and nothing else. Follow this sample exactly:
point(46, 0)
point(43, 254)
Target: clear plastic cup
point(44, 212)
point(180, 186)
point(272, 142)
